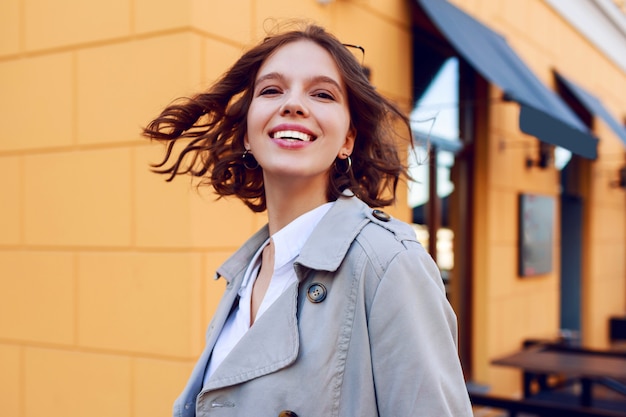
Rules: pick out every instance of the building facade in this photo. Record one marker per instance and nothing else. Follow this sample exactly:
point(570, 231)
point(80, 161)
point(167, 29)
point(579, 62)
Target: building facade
point(106, 269)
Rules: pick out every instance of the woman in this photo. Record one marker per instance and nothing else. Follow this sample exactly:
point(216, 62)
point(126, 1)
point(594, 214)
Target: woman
point(332, 309)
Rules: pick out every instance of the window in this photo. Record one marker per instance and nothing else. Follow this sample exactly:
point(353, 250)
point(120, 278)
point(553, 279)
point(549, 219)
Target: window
point(435, 123)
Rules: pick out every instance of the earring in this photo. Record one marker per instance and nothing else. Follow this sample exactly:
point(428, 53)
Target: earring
point(245, 163)
point(349, 163)
point(348, 167)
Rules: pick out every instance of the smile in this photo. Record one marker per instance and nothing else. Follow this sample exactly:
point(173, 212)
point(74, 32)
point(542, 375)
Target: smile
point(292, 135)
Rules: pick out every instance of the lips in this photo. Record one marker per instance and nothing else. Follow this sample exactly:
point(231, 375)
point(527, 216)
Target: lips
point(292, 135)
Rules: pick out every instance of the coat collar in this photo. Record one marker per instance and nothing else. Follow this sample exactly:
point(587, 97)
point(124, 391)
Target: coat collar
point(326, 247)
point(235, 266)
point(330, 241)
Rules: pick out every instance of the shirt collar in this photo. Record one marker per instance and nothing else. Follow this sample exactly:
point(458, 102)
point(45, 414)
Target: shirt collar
point(289, 241)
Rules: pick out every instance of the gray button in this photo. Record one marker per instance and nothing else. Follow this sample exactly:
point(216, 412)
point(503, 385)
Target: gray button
point(381, 215)
point(316, 293)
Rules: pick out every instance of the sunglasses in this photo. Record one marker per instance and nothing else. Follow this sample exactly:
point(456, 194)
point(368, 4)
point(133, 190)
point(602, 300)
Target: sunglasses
point(357, 50)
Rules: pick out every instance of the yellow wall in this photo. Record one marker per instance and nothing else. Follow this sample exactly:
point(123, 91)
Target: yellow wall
point(105, 270)
point(509, 309)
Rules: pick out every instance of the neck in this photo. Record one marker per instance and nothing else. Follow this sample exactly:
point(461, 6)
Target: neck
point(288, 202)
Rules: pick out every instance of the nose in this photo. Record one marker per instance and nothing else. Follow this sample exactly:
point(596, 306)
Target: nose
point(294, 106)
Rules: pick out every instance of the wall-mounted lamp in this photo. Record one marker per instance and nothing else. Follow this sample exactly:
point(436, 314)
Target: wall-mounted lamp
point(621, 180)
point(545, 158)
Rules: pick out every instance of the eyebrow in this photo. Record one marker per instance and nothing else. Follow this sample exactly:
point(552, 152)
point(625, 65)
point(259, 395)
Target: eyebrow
point(319, 78)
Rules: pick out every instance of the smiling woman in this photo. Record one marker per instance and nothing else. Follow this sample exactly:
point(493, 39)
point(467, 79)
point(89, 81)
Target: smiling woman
point(330, 291)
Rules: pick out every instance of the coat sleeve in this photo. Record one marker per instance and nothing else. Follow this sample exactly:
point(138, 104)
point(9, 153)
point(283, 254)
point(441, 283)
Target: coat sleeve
point(413, 334)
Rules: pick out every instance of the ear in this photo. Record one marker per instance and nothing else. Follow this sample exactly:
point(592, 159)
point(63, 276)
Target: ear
point(246, 142)
point(348, 145)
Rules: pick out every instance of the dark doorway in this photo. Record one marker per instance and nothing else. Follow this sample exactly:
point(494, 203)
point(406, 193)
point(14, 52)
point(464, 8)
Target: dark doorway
point(573, 170)
point(571, 251)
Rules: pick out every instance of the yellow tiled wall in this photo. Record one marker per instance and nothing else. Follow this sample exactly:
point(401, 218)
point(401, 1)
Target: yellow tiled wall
point(106, 270)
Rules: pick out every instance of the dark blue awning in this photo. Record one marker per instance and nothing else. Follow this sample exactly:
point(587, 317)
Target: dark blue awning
point(593, 105)
point(543, 114)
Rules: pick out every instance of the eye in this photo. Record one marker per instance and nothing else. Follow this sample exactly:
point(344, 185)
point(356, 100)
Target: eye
point(269, 91)
point(324, 95)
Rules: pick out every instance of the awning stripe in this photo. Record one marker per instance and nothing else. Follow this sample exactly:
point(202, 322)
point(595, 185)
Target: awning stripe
point(593, 105)
point(490, 55)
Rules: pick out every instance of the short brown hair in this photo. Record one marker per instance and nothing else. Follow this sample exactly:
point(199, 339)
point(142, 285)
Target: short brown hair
point(215, 123)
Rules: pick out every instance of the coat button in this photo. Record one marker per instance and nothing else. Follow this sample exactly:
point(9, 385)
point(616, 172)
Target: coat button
point(381, 215)
point(287, 413)
point(316, 293)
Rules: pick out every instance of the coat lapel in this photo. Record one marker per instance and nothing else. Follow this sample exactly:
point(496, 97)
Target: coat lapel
point(331, 239)
point(271, 344)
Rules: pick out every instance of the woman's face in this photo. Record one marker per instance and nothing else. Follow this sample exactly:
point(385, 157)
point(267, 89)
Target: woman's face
point(299, 120)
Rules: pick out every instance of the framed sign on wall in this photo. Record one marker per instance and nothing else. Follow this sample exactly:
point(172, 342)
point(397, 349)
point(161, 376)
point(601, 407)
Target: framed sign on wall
point(536, 229)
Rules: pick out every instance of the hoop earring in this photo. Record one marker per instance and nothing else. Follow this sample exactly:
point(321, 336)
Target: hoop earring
point(348, 167)
point(245, 164)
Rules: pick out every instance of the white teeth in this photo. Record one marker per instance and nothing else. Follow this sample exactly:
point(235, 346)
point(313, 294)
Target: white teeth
point(292, 134)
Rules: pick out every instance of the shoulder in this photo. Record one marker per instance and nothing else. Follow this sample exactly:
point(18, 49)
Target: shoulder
point(384, 226)
point(351, 230)
point(394, 261)
point(384, 231)
point(384, 238)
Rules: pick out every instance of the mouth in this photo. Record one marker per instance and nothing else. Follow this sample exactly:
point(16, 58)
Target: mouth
point(292, 135)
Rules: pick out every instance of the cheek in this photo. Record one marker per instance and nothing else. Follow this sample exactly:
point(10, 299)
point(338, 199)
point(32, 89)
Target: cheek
point(253, 121)
point(343, 116)
point(258, 116)
point(342, 120)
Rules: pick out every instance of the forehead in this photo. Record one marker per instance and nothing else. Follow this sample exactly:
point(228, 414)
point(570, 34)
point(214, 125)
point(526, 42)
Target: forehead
point(302, 58)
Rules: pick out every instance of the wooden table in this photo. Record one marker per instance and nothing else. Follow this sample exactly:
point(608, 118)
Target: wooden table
point(583, 364)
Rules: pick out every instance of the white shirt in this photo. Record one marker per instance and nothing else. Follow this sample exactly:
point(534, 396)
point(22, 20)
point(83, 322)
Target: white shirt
point(288, 243)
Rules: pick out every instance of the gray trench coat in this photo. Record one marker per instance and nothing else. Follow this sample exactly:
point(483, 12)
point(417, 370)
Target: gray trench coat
point(366, 332)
